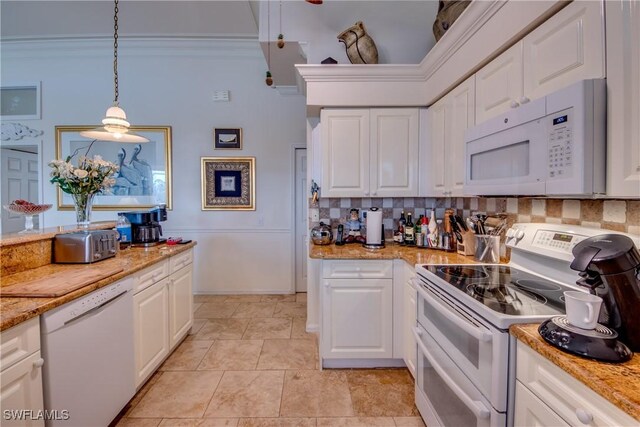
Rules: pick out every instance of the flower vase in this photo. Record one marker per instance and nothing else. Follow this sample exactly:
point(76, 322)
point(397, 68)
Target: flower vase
point(83, 203)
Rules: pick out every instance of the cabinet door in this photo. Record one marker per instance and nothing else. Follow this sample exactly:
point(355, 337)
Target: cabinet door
point(345, 153)
point(151, 328)
point(21, 390)
point(357, 319)
point(568, 47)
point(460, 115)
point(531, 411)
point(410, 309)
point(436, 141)
point(623, 102)
point(499, 84)
point(180, 304)
point(393, 152)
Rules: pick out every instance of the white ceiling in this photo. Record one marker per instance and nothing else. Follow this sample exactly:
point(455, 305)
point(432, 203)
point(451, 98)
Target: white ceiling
point(400, 28)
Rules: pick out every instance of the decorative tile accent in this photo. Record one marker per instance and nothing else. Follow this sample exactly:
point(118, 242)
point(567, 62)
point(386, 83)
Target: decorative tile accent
point(614, 211)
point(538, 207)
point(512, 205)
point(554, 208)
point(633, 212)
point(591, 210)
point(571, 209)
point(345, 203)
point(524, 206)
point(387, 202)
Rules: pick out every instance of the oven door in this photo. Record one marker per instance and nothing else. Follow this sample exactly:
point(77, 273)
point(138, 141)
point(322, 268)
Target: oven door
point(480, 350)
point(444, 395)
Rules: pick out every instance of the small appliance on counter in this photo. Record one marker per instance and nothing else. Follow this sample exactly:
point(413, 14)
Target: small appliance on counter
point(321, 234)
point(84, 247)
point(609, 266)
point(375, 229)
point(145, 226)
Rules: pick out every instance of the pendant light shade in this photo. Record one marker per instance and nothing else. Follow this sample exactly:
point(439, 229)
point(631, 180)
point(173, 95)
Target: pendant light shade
point(115, 125)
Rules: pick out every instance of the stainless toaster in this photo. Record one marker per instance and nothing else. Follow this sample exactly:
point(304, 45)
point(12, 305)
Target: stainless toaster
point(85, 247)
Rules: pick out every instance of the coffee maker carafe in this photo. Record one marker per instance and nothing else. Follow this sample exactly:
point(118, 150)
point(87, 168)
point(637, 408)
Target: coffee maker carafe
point(609, 266)
point(145, 226)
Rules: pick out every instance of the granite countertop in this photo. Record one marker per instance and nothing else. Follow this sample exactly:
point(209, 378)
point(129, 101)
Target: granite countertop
point(49, 233)
point(618, 383)
point(15, 310)
point(412, 255)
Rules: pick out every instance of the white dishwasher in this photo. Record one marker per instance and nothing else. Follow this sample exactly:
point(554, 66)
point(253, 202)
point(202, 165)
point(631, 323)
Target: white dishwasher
point(87, 346)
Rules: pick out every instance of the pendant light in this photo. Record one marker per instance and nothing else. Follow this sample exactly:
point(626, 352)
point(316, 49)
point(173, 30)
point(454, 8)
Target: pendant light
point(115, 125)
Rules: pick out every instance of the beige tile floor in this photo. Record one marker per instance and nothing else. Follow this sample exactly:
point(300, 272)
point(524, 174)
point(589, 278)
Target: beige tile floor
point(248, 361)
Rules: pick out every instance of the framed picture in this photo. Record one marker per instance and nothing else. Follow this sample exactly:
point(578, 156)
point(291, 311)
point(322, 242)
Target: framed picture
point(227, 139)
point(144, 178)
point(20, 101)
point(228, 183)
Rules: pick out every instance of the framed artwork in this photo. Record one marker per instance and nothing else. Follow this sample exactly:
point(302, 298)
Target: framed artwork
point(20, 101)
point(227, 139)
point(144, 178)
point(228, 183)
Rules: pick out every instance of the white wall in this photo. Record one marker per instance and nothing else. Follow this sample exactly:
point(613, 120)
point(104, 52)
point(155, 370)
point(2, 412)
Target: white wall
point(170, 82)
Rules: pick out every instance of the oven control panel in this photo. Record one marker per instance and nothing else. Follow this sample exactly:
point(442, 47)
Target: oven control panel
point(563, 242)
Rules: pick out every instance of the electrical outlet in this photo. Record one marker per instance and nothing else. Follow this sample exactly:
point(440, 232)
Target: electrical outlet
point(315, 215)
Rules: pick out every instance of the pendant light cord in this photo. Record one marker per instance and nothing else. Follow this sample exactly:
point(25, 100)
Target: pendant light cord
point(268, 35)
point(115, 52)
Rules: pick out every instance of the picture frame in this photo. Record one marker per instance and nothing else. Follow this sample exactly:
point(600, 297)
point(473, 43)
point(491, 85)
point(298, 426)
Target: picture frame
point(20, 101)
point(228, 183)
point(227, 139)
point(144, 182)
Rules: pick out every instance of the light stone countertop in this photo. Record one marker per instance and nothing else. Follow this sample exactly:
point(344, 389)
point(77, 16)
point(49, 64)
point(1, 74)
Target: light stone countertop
point(14, 310)
point(618, 383)
point(411, 254)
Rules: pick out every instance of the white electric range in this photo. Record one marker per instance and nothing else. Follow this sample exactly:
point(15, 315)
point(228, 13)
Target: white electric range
point(466, 357)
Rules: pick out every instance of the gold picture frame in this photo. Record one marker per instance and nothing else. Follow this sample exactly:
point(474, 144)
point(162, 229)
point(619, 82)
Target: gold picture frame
point(228, 183)
point(150, 190)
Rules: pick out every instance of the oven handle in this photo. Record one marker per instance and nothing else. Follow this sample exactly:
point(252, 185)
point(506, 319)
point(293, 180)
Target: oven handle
point(475, 406)
point(465, 326)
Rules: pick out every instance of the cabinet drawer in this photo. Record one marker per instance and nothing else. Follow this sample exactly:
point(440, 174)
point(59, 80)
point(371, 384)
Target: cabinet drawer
point(565, 395)
point(19, 342)
point(150, 275)
point(356, 269)
point(181, 260)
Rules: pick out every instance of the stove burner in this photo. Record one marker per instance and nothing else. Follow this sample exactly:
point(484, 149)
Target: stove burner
point(463, 272)
point(537, 285)
point(501, 294)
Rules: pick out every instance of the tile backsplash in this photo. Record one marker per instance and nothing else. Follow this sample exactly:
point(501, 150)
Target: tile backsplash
point(619, 215)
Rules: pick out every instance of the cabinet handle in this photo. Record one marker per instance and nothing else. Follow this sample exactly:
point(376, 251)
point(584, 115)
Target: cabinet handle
point(585, 417)
point(38, 363)
point(374, 193)
point(327, 285)
point(524, 100)
point(514, 104)
point(366, 193)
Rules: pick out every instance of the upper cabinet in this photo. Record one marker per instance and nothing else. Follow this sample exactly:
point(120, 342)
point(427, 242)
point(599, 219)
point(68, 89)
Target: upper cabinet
point(446, 123)
point(370, 152)
point(623, 102)
point(566, 48)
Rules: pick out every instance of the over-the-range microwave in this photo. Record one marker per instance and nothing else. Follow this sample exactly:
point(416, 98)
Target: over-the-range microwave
point(554, 145)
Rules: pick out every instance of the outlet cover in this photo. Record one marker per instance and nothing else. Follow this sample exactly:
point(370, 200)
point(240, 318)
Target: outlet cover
point(221, 96)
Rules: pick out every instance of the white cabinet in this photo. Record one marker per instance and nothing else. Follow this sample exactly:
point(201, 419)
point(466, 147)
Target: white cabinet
point(21, 376)
point(370, 152)
point(545, 394)
point(447, 121)
point(623, 102)
point(163, 311)
point(151, 325)
point(410, 314)
point(357, 310)
point(566, 48)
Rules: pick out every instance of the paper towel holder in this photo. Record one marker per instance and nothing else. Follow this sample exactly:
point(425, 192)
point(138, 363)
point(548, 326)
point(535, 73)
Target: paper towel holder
point(379, 242)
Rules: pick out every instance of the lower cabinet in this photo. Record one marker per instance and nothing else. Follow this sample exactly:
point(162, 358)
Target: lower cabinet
point(548, 396)
point(151, 323)
point(163, 311)
point(357, 310)
point(21, 376)
point(410, 315)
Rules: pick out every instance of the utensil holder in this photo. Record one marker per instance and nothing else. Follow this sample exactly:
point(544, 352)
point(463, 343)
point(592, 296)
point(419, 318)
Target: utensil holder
point(487, 248)
point(468, 245)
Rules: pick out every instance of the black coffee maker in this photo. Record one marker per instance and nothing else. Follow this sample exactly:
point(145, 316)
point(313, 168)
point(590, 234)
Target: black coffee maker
point(145, 226)
point(609, 265)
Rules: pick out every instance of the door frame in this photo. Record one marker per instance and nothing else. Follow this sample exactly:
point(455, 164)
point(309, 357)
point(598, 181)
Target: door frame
point(293, 229)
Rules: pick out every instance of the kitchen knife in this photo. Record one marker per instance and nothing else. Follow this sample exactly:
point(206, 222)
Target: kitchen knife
point(461, 223)
point(455, 229)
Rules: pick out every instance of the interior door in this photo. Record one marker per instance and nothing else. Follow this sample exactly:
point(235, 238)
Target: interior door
point(301, 232)
point(19, 181)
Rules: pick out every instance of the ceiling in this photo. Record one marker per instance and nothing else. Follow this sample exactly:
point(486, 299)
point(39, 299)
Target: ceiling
point(400, 28)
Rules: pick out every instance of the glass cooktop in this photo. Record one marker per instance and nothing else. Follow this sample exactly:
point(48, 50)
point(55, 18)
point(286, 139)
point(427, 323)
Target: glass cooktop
point(504, 289)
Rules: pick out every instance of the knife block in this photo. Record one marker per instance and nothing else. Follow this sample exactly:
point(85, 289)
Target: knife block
point(468, 245)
